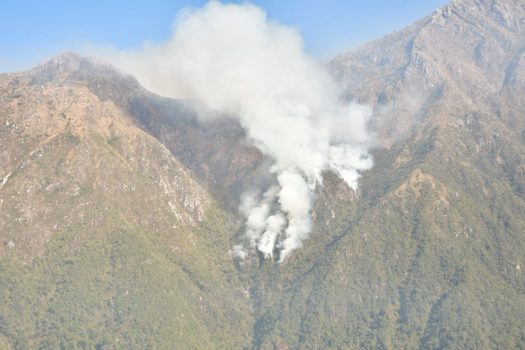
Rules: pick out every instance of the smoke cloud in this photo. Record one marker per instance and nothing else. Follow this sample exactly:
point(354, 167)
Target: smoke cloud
point(236, 62)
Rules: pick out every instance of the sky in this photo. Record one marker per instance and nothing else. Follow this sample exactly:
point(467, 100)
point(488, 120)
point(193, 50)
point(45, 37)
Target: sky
point(32, 31)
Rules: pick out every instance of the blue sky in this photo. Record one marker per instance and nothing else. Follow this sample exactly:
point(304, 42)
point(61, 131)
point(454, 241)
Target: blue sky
point(32, 31)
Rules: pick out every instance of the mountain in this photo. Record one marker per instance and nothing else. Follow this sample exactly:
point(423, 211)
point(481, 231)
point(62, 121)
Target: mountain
point(118, 207)
point(103, 230)
point(431, 255)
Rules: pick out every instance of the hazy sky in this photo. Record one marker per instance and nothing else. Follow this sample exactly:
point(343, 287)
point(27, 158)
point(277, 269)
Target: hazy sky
point(32, 31)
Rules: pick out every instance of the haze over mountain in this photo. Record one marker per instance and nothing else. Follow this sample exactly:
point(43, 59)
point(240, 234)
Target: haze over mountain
point(119, 208)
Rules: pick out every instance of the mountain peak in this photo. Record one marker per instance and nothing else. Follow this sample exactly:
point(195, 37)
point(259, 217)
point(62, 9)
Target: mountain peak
point(105, 81)
point(67, 62)
point(501, 12)
point(70, 65)
point(66, 58)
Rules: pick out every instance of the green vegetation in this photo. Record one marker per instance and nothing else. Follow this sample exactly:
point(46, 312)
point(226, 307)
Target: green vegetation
point(425, 261)
point(100, 260)
point(120, 289)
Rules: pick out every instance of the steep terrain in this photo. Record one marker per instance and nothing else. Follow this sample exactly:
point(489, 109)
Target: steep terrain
point(431, 256)
point(118, 207)
point(102, 229)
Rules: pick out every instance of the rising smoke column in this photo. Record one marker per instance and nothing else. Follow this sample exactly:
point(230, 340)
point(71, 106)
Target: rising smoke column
point(234, 61)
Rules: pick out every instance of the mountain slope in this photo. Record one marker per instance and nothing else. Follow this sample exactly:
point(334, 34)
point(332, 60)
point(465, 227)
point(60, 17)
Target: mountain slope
point(430, 254)
point(102, 229)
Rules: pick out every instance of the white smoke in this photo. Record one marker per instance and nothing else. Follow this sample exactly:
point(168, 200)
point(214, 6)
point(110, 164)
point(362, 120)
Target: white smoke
point(235, 61)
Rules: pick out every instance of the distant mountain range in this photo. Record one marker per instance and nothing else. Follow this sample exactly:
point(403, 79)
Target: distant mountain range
point(118, 207)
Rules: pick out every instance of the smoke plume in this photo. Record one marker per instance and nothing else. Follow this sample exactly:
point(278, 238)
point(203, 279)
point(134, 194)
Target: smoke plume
point(236, 62)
